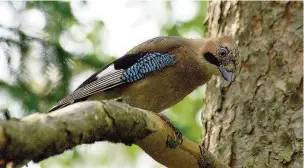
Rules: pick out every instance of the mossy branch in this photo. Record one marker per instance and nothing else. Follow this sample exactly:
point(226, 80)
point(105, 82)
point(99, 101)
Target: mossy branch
point(39, 136)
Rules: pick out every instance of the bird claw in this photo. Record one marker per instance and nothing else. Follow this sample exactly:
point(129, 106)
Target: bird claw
point(172, 142)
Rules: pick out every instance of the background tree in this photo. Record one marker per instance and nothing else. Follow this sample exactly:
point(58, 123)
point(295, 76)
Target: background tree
point(258, 120)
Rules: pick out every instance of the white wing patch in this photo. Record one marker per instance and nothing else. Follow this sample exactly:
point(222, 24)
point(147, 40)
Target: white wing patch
point(106, 71)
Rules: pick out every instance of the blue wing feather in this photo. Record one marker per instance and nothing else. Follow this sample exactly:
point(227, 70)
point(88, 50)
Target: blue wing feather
point(148, 63)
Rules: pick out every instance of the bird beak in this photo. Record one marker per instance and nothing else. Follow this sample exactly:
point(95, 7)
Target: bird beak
point(226, 74)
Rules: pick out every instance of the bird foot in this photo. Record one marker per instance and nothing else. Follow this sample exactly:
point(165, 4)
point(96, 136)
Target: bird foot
point(172, 142)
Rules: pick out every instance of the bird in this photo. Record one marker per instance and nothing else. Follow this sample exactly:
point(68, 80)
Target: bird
point(159, 72)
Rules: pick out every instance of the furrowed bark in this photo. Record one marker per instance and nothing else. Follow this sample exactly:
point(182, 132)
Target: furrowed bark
point(257, 121)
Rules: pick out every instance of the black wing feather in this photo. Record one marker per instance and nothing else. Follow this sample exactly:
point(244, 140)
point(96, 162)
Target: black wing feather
point(124, 62)
point(94, 84)
point(98, 85)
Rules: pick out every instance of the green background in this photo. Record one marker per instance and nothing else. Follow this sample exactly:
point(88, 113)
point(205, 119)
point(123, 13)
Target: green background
point(31, 97)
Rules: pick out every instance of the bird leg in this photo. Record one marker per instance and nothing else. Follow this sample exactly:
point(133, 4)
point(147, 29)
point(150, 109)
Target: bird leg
point(178, 139)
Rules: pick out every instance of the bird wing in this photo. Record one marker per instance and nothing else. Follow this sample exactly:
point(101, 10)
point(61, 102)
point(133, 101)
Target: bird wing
point(127, 69)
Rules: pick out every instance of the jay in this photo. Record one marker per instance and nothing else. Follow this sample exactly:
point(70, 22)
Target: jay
point(159, 73)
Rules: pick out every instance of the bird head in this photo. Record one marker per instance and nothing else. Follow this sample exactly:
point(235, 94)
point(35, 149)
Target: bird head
point(220, 55)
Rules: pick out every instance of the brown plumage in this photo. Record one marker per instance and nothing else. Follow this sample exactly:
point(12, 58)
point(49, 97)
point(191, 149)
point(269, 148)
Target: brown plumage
point(196, 60)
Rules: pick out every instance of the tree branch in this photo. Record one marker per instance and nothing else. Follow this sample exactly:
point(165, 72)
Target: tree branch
point(39, 136)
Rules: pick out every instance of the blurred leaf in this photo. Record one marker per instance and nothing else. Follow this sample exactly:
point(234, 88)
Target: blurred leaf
point(195, 24)
point(58, 14)
point(133, 152)
point(60, 18)
point(94, 62)
point(183, 115)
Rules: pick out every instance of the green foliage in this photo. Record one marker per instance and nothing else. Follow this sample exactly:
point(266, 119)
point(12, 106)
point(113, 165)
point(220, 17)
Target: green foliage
point(195, 24)
point(59, 16)
point(184, 115)
point(59, 19)
point(113, 156)
point(36, 97)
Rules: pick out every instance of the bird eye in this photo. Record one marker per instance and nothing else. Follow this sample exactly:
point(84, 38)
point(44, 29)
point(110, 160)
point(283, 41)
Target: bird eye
point(222, 52)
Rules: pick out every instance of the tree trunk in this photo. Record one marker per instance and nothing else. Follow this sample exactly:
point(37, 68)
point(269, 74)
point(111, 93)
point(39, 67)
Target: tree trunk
point(257, 121)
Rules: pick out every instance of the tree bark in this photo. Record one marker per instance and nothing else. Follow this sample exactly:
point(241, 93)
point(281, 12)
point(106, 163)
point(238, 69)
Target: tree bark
point(40, 136)
point(257, 121)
